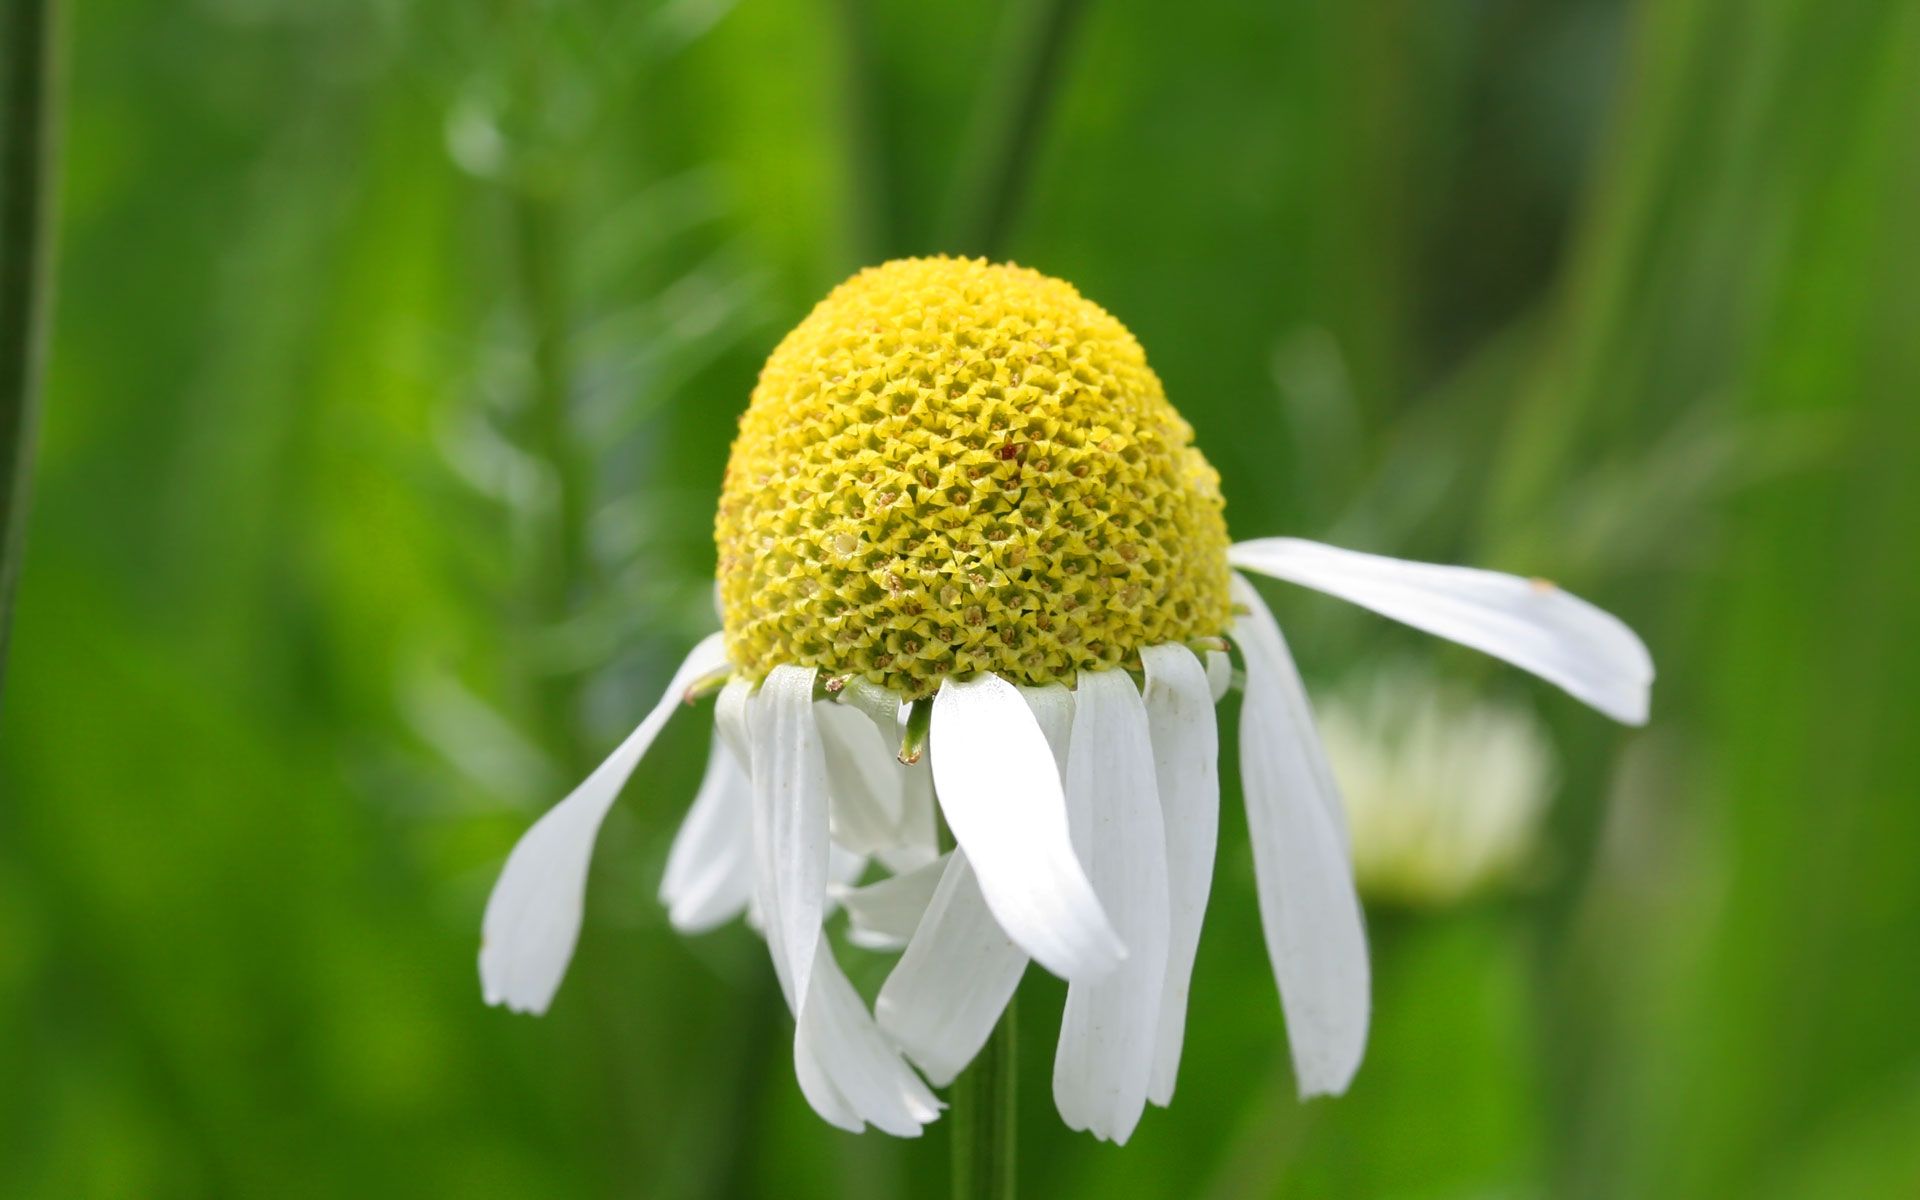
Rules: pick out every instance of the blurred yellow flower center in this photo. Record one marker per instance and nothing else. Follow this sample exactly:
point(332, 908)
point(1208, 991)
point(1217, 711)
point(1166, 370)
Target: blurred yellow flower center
point(953, 466)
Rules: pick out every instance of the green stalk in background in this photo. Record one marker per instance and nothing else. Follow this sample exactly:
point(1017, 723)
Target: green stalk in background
point(870, 205)
point(1013, 114)
point(26, 238)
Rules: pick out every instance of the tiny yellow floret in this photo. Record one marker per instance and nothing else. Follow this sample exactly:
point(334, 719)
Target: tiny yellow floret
point(953, 466)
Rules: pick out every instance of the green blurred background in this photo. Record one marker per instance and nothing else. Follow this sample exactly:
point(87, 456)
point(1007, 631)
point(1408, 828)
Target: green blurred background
point(397, 351)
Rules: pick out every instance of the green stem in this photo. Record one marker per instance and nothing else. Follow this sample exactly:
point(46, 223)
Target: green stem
point(985, 1117)
point(26, 172)
point(1013, 115)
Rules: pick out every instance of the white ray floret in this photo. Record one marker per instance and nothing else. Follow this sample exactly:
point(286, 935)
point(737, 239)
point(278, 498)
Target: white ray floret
point(1104, 1064)
point(1186, 752)
point(790, 843)
point(848, 1072)
point(533, 916)
point(1528, 622)
point(1308, 907)
point(883, 915)
point(994, 777)
point(709, 875)
point(959, 971)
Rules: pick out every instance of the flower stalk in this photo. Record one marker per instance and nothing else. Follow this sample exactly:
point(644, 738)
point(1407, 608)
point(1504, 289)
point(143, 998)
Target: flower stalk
point(985, 1117)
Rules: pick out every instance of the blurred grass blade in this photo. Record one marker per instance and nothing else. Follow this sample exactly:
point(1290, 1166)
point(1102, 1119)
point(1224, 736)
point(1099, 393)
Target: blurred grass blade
point(26, 153)
point(1013, 114)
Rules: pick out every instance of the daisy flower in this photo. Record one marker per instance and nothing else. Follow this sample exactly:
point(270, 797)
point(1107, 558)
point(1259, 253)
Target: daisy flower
point(974, 577)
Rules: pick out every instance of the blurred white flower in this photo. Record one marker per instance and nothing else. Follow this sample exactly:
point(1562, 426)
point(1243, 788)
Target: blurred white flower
point(1444, 790)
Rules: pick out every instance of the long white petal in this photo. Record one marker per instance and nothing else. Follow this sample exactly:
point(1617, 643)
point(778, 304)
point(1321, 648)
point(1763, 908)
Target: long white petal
point(836, 1043)
point(1052, 709)
point(1284, 711)
point(883, 915)
point(960, 969)
point(709, 873)
point(533, 916)
point(790, 842)
point(950, 986)
point(1529, 623)
point(1316, 937)
point(731, 713)
point(864, 777)
point(821, 1093)
point(1186, 761)
point(919, 837)
point(1104, 1064)
point(1000, 790)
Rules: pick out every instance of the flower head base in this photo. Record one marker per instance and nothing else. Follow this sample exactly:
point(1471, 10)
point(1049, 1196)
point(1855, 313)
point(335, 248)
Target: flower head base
point(953, 467)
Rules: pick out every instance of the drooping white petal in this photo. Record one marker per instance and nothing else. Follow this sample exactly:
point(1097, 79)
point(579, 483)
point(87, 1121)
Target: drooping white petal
point(944, 996)
point(790, 842)
point(1104, 1064)
point(845, 1064)
point(1528, 622)
point(1186, 761)
point(844, 866)
point(730, 717)
point(1052, 709)
point(960, 969)
point(883, 915)
point(919, 835)
point(1316, 937)
point(864, 777)
point(533, 916)
point(1000, 790)
point(709, 873)
point(822, 1094)
point(1284, 711)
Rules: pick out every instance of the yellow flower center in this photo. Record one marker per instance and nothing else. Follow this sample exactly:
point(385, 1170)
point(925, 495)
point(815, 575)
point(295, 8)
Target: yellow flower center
point(953, 466)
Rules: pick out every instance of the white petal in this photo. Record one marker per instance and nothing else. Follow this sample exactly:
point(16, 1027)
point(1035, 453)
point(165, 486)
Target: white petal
point(790, 843)
point(1283, 709)
point(919, 836)
point(1104, 1064)
point(1219, 674)
point(1529, 623)
point(1052, 709)
point(1000, 790)
point(1315, 934)
point(950, 986)
point(533, 916)
point(730, 718)
point(822, 1094)
point(960, 969)
point(884, 914)
point(864, 776)
point(1186, 761)
point(836, 1043)
point(709, 873)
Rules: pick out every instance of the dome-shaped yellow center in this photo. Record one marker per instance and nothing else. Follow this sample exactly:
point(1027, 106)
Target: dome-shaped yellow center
point(953, 466)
